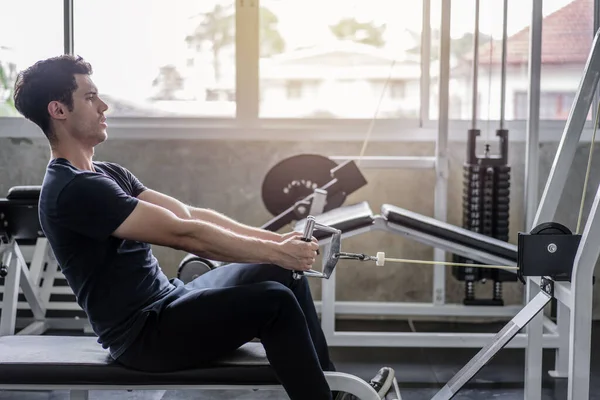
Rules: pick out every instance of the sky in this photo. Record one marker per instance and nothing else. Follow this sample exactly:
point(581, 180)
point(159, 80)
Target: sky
point(128, 40)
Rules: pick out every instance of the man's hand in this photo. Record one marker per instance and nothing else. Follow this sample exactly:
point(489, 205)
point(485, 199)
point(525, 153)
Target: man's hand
point(295, 254)
point(286, 236)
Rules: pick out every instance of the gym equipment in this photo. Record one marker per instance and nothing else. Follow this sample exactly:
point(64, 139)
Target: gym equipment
point(330, 256)
point(79, 364)
point(35, 296)
point(294, 188)
point(485, 210)
point(563, 270)
point(486, 186)
point(288, 190)
point(548, 251)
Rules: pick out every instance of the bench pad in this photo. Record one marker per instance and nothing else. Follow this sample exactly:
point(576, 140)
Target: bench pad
point(452, 233)
point(80, 360)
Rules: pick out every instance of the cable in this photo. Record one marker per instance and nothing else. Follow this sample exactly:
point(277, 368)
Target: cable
point(375, 114)
point(380, 259)
point(587, 172)
point(407, 261)
point(487, 133)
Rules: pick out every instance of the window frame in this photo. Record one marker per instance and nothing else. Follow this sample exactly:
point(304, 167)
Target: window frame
point(247, 123)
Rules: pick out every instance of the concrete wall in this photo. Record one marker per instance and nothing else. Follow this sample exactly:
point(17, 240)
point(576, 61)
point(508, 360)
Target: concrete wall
point(227, 177)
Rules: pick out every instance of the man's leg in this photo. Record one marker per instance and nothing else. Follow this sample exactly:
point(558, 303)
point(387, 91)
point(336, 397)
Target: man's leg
point(242, 274)
point(205, 324)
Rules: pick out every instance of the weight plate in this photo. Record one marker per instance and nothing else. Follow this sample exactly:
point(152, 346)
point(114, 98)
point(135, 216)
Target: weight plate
point(193, 269)
point(294, 178)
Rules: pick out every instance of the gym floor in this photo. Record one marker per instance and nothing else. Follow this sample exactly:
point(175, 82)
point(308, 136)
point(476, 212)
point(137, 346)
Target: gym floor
point(420, 372)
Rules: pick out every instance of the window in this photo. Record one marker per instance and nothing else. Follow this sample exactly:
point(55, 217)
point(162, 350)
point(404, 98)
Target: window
point(566, 42)
point(157, 58)
point(26, 37)
point(335, 59)
point(489, 54)
point(568, 31)
point(553, 106)
point(338, 58)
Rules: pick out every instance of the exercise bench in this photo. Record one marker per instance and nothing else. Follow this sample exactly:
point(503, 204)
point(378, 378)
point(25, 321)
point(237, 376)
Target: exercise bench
point(35, 294)
point(79, 364)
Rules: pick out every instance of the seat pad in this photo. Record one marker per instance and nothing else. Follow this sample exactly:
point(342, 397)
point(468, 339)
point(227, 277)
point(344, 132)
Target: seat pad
point(19, 219)
point(446, 231)
point(24, 193)
point(346, 218)
point(80, 360)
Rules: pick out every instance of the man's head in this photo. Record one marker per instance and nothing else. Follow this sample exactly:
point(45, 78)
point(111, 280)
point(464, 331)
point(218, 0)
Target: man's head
point(58, 95)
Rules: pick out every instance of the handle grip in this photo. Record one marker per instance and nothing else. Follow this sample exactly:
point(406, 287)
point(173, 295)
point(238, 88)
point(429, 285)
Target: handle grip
point(306, 237)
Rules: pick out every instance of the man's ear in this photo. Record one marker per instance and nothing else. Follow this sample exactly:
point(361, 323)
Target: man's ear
point(57, 110)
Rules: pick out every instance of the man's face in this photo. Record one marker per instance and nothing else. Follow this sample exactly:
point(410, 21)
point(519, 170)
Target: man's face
point(87, 122)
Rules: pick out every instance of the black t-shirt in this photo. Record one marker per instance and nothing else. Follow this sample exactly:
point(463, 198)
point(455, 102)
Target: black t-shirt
point(117, 282)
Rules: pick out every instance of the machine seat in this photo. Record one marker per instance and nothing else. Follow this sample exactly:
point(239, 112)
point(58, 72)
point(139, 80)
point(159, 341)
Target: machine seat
point(446, 231)
point(80, 360)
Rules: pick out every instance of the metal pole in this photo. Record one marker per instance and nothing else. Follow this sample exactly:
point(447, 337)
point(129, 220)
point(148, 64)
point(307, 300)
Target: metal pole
point(581, 309)
point(247, 45)
point(441, 183)
point(533, 350)
point(533, 121)
point(475, 95)
point(596, 13)
point(68, 26)
point(503, 68)
point(425, 61)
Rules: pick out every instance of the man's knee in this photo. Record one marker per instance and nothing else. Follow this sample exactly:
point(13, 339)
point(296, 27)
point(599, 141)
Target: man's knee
point(277, 293)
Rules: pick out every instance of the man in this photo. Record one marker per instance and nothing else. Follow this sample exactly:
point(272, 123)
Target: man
point(101, 222)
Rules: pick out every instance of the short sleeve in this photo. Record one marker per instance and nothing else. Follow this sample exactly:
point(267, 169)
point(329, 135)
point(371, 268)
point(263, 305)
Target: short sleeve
point(137, 187)
point(130, 181)
point(94, 206)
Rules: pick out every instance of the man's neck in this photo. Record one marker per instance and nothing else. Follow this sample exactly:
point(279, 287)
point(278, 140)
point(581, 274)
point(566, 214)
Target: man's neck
point(79, 158)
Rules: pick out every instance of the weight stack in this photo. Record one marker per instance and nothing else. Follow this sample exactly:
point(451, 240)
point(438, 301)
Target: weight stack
point(486, 198)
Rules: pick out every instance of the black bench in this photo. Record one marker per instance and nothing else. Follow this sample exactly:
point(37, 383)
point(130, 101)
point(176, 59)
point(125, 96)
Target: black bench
point(79, 363)
point(449, 232)
point(19, 218)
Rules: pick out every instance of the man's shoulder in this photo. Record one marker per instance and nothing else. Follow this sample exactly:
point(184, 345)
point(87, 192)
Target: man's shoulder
point(63, 179)
point(110, 167)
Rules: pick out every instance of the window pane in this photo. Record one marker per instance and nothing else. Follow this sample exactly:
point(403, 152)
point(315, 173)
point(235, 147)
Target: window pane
point(160, 57)
point(566, 42)
point(26, 37)
point(568, 31)
point(340, 61)
point(490, 56)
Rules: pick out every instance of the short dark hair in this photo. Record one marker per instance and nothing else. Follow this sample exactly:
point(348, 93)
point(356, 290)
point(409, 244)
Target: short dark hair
point(45, 81)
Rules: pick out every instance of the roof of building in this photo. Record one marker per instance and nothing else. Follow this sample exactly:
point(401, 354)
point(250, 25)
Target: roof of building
point(567, 36)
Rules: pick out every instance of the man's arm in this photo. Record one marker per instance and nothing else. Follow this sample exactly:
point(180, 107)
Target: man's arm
point(157, 225)
point(202, 214)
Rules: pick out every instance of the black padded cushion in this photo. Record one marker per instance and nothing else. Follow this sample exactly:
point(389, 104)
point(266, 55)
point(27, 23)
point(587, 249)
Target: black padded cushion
point(19, 219)
point(64, 360)
point(452, 233)
point(346, 218)
point(24, 193)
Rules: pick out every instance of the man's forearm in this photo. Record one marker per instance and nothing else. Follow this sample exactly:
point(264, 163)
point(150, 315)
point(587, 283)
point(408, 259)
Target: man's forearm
point(218, 243)
point(216, 218)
